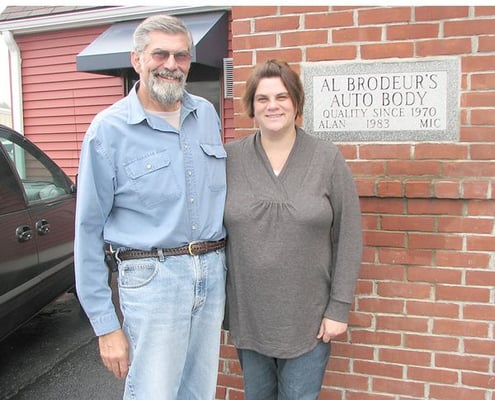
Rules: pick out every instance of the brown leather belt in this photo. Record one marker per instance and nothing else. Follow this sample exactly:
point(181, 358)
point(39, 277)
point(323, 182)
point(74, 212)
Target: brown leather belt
point(193, 249)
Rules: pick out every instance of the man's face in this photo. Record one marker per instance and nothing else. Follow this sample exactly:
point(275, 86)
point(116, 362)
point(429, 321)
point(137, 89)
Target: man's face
point(163, 67)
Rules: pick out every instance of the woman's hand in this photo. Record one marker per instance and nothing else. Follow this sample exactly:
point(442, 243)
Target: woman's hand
point(329, 329)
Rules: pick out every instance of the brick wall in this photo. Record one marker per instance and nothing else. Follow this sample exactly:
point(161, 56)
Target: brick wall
point(422, 325)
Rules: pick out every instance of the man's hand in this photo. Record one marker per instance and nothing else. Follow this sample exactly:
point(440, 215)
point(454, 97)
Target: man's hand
point(114, 351)
point(329, 329)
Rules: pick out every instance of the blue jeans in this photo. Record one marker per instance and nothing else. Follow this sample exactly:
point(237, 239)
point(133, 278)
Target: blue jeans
point(173, 310)
point(300, 378)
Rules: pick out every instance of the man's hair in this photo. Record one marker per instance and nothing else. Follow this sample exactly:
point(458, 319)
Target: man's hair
point(274, 69)
point(161, 23)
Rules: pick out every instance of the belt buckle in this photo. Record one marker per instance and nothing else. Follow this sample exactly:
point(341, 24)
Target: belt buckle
point(189, 247)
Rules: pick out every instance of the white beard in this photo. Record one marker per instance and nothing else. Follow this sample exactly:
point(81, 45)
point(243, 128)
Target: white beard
point(166, 93)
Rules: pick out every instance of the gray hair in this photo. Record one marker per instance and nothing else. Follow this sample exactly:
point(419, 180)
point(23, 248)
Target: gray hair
point(160, 23)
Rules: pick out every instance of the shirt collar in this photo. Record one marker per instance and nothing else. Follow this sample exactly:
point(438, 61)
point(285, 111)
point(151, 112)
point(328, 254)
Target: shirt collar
point(137, 114)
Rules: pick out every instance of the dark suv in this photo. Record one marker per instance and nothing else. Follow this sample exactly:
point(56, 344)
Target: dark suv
point(37, 209)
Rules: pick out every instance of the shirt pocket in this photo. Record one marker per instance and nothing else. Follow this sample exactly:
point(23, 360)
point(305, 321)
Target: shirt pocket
point(153, 178)
point(215, 165)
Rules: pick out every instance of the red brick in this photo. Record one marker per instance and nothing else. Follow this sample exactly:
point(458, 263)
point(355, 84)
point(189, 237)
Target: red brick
point(462, 293)
point(418, 189)
point(465, 224)
point(353, 351)
point(376, 338)
point(385, 151)
point(432, 375)
point(473, 189)
point(276, 23)
point(479, 312)
point(469, 28)
point(373, 168)
point(478, 380)
point(445, 151)
point(400, 256)
point(447, 189)
point(331, 53)
point(289, 55)
point(483, 151)
point(253, 42)
point(377, 369)
point(429, 48)
point(434, 241)
point(241, 12)
point(483, 81)
point(484, 10)
point(389, 188)
point(382, 272)
point(480, 243)
point(356, 382)
point(407, 388)
point(329, 20)
point(434, 275)
point(486, 44)
point(478, 63)
point(478, 99)
point(381, 15)
point(413, 168)
point(462, 362)
point(433, 207)
point(462, 328)
point(385, 206)
point(462, 260)
point(433, 343)
point(303, 38)
point(462, 169)
point(369, 34)
point(481, 208)
point(407, 223)
point(402, 323)
point(480, 278)
point(412, 31)
point(378, 305)
point(241, 27)
point(442, 392)
point(302, 9)
point(432, 13)
point(387, 50)
point(353, 395)
point(404, 290)
point(479, 346)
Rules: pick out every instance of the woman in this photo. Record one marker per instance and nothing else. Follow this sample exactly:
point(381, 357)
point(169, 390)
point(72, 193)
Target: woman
point(294, 249)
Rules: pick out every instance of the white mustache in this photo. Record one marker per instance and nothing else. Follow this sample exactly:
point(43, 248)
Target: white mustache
point(169, 74)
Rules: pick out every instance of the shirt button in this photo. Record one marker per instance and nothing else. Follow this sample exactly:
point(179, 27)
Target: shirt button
point(194, 227)
point(192, 200)
point(148, 166)
point(189, 172)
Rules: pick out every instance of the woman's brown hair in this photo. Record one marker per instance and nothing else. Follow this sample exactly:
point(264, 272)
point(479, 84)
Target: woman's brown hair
point(274, 69)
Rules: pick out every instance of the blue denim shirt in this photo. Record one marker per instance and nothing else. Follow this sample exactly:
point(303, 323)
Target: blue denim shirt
point(142, 184)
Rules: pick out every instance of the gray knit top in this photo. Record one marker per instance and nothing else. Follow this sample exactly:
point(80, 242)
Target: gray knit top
point(294, 244)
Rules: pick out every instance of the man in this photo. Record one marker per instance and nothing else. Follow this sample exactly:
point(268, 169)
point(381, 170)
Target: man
point(152, 185)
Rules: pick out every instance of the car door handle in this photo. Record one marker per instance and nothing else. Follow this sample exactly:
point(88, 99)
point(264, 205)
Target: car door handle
point(42, 227)
point(23, 233)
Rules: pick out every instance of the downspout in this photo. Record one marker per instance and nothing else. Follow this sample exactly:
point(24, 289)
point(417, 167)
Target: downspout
point(15, 63)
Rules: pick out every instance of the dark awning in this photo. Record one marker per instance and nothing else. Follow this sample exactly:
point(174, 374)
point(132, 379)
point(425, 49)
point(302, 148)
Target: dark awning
point(110, 52)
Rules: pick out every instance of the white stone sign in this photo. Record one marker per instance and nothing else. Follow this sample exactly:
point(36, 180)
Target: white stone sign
point(382, 101)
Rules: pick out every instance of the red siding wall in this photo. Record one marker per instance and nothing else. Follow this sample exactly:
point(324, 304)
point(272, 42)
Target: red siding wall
point(59, 102)
point(423, 319)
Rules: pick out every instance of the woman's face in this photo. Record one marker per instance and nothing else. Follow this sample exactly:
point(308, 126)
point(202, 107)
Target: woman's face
point(274, 110)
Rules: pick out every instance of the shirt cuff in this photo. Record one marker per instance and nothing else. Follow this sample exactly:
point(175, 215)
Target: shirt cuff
point(338, 311)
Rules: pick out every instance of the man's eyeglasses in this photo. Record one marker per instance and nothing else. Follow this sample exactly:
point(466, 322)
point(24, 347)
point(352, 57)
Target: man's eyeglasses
point(180, 57)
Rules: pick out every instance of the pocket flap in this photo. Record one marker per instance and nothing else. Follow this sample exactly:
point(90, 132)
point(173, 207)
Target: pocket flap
point(214, 150)
point(147, 164)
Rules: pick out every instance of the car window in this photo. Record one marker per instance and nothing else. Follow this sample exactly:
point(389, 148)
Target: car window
point(38, 179)
point(11, 198)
